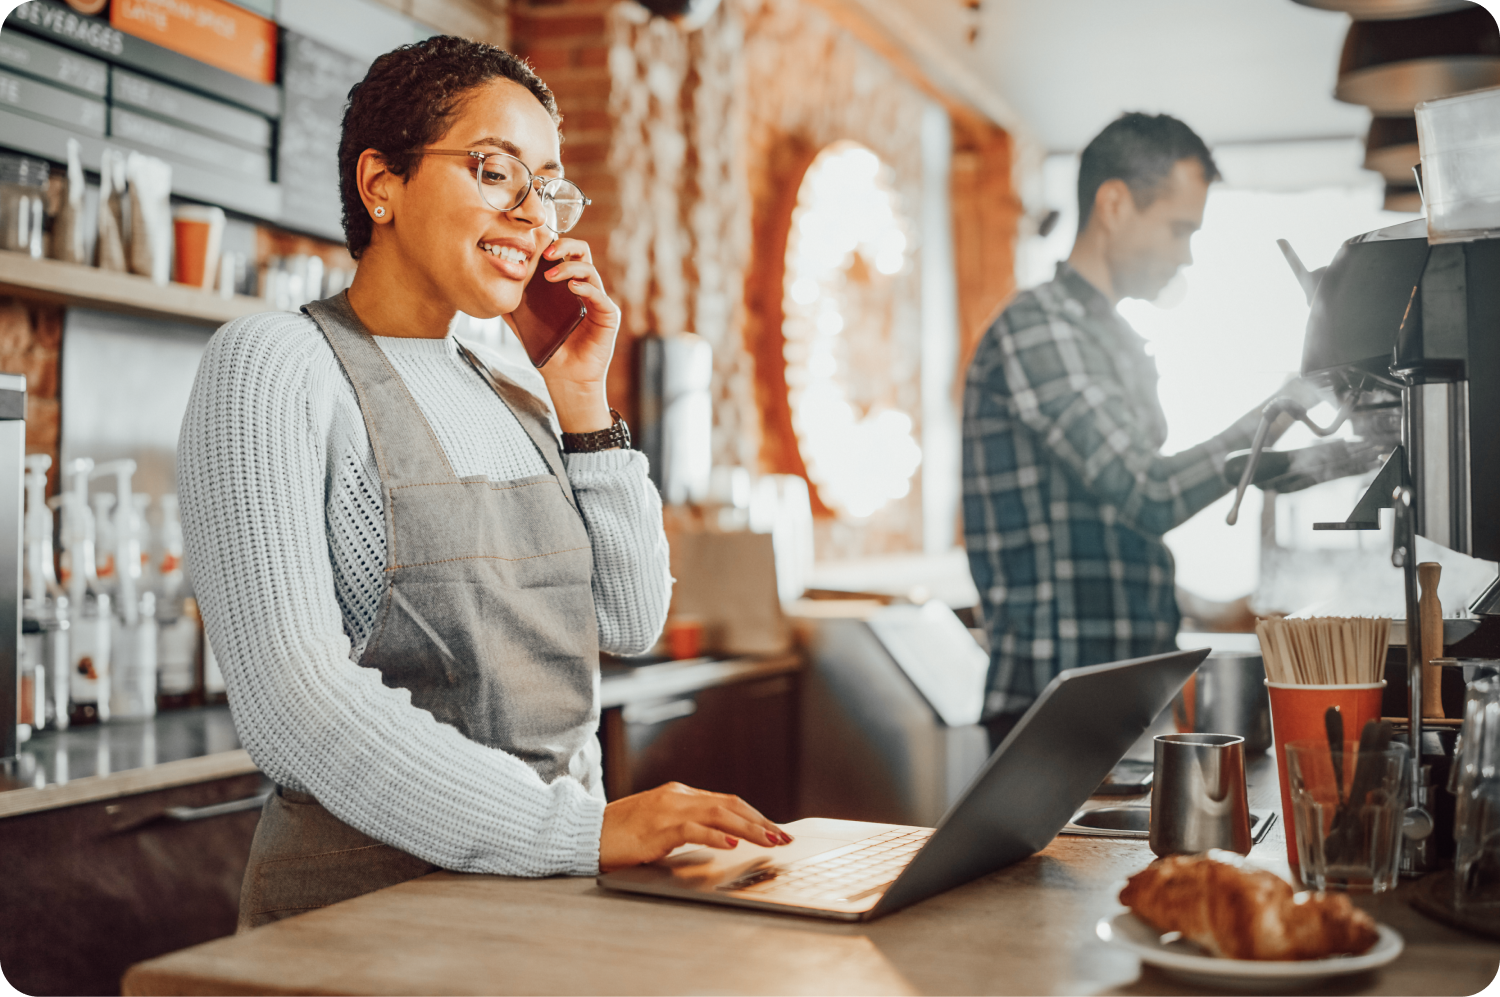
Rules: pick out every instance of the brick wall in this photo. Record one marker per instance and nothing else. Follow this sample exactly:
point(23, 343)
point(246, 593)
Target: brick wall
point(567, 43)
point(30, 343)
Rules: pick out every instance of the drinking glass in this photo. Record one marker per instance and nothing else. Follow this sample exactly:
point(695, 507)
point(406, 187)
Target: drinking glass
point(1347, 819)
point(1476, 791)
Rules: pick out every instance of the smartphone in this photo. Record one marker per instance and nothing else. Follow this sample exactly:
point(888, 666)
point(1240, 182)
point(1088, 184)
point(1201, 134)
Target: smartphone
point(547, 316)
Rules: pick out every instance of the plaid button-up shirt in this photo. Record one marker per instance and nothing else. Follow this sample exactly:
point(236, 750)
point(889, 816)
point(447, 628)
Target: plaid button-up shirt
point(1066, 492)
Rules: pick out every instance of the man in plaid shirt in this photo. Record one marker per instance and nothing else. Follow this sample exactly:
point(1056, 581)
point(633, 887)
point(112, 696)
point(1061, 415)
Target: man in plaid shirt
point(1066, 492)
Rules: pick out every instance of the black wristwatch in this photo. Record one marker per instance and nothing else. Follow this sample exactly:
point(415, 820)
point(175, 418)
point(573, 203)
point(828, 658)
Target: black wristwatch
point(615, 437)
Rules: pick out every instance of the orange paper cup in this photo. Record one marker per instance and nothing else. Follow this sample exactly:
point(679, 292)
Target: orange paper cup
point(1297, 713)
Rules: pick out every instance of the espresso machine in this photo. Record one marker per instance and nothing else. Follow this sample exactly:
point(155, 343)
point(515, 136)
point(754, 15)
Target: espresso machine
point(1406, 333)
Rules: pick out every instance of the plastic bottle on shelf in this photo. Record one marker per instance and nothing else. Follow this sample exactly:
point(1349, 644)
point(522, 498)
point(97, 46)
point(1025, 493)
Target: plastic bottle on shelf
point(104, 539)
point(177, 618)
point(44, 610)
point(169, 556)
point(141, 531)
point(88, 653)
point(133, 636)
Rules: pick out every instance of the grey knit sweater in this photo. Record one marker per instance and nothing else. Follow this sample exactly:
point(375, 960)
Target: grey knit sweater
point(285, 538)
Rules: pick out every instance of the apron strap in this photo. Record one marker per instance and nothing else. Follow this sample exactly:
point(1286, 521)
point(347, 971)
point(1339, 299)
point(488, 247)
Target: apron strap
point(407, 452)
point(532, 414)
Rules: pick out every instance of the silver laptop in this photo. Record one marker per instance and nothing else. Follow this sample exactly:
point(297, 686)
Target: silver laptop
point(1076, 731)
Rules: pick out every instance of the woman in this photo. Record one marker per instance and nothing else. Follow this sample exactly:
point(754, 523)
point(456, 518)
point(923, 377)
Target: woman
point(407, 580)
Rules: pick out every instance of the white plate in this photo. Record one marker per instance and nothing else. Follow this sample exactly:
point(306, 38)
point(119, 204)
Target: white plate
point(1188, 961)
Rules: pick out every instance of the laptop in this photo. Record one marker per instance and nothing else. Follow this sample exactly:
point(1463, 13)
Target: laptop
point(1049, 764)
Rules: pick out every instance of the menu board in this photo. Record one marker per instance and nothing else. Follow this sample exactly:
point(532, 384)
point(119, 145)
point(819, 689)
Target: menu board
point(200, 113)
point(211, 31)
point(315, 81)
point(94, 36)
point(53, 64)
point(53, 103)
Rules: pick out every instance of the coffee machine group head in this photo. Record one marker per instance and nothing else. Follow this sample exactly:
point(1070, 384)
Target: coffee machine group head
point(1407, 333)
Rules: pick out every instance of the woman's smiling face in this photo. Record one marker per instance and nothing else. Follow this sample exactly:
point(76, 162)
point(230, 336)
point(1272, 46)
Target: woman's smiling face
point(444, 235)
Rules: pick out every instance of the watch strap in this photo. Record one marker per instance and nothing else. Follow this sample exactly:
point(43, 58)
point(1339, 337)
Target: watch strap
point(617, 436)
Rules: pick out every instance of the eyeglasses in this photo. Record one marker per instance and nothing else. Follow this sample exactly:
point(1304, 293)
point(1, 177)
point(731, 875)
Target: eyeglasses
point(505, 182)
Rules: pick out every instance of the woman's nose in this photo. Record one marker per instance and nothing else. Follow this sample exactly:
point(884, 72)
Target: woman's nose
point(531, 210)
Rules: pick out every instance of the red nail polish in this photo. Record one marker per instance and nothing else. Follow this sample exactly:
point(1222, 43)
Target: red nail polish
point(731, 842)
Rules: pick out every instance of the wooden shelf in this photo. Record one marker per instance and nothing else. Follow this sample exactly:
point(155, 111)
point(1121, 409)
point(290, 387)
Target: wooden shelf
point(90, 287)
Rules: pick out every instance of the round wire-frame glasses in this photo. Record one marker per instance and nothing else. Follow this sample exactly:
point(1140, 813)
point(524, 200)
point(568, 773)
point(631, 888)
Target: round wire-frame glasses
point(505, 182)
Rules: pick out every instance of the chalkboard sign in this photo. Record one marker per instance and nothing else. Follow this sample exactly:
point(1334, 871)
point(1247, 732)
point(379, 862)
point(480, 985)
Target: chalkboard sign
point(315, 82)
point(57, 23)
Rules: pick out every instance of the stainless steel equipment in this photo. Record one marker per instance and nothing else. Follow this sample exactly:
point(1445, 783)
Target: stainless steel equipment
point(12, 474)
point(1228, 696)
point(1199, 799)
point(874, 747)
point(1408, 333)
point(676, 414)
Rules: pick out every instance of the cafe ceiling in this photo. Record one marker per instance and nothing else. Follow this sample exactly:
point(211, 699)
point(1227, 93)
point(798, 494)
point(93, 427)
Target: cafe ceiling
point(1236, 70)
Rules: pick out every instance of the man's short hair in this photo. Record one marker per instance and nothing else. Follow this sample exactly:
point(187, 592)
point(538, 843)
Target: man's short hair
point(1141, 150)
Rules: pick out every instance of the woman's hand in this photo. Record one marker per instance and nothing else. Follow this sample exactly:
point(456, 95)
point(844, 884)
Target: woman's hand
point(576, 373)
point(645, 827)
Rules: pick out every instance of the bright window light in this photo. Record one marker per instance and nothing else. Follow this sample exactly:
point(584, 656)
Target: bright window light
point(1229, 335)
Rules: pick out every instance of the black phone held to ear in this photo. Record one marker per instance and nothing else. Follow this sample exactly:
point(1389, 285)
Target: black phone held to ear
point(547, 315)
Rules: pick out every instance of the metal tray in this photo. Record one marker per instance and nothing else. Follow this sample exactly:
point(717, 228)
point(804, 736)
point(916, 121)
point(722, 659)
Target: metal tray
point(1135, 822)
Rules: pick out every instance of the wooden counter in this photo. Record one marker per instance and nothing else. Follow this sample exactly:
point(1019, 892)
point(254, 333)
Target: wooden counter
point(1026, 929)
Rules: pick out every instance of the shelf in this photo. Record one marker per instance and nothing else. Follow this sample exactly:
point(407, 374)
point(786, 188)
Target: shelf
point(90, 287)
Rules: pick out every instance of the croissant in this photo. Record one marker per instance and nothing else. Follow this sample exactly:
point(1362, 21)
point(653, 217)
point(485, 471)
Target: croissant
point(1233, 911)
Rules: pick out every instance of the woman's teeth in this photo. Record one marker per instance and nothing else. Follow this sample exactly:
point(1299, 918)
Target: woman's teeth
point(508, 253)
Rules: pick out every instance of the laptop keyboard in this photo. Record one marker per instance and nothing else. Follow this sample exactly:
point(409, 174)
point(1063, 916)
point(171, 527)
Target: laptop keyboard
point(846, 873)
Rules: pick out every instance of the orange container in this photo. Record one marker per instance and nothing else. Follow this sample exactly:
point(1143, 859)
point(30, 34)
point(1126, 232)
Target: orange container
point(685, 637)
point(1297, 714)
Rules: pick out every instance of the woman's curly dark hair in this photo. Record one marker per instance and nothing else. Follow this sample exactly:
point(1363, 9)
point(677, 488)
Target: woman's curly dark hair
point(406, 101)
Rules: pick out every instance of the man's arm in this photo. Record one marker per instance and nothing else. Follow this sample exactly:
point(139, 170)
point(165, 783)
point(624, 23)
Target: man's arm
point(1061, 387)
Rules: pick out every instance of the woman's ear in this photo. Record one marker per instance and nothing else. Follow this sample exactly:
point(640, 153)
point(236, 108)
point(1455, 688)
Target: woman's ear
point(378, 186)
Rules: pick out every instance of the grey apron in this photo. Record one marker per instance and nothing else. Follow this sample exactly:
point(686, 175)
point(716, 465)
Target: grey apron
point(487, 618)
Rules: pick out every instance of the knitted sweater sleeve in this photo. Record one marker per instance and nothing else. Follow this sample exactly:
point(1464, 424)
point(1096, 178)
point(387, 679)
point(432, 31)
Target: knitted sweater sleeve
point(632, 577)
point(251, 476)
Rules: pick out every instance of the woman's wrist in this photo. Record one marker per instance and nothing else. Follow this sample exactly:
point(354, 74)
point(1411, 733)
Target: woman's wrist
point(580, 408)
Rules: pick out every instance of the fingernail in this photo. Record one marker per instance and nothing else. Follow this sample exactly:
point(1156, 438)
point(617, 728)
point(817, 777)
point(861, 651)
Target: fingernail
point(731, 842)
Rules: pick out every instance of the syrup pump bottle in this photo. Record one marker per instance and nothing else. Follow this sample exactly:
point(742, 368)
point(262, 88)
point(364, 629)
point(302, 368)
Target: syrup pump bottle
point(177, 647)
point(133, 633)
point(44, 611)
point(88, 654)
point(104, 538)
